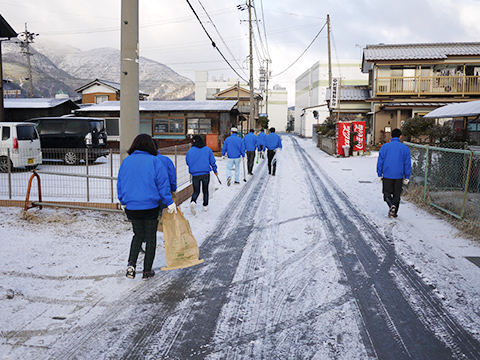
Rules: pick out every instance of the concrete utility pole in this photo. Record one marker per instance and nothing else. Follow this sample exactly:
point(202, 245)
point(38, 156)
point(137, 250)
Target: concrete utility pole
point(251, 120)
point(129, 88)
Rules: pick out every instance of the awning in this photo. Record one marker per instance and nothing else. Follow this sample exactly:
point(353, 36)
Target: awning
point(471, 108)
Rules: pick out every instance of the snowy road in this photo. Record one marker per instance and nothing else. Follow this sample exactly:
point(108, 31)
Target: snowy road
point(290, 272)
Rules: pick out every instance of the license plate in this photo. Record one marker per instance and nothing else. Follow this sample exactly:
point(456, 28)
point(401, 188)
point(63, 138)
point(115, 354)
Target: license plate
point(100, 141)
point(30, 160)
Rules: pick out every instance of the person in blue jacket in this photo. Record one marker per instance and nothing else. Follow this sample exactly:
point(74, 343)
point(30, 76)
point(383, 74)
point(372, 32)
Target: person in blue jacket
point(273, 144)
point(250, 141)
point(234, 148)
point(200, 161)
point(142, 182)
point(394, 166)
point(261, 143)
point(172, 174)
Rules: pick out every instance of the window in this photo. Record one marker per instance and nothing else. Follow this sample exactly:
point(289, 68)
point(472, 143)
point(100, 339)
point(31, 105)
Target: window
point(75, 127)
point(113, 127)
point(473, 127)
point(50, 127)
point(146, 126)
point(100, 99)
point(199, 126)
point(5, 133)
point(25, 132)
point(169, 126)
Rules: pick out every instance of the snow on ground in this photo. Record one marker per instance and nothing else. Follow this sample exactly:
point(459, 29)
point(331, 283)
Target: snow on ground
point(58, 264)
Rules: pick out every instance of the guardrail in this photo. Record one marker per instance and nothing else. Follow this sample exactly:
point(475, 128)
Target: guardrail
point(450, 179)
point(90, 181)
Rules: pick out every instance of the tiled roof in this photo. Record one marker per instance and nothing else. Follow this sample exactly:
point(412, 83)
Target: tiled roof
point(419, 51)
point(207, 105)
point(352, 93)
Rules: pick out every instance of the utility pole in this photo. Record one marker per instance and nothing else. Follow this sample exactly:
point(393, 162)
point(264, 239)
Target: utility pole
point(28, 38)
point(267, 74)
point(129, 71)
point(329, 53)
point(251, 122)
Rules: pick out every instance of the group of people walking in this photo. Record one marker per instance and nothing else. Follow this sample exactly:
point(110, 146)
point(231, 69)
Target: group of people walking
point(147, 180)
point(235, 148)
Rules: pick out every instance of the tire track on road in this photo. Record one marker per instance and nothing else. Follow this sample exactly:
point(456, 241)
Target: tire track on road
point(393, 326)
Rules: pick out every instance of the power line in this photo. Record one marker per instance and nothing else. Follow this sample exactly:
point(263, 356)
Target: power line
point(219, 34)
point(315, 38)
point(213, 42)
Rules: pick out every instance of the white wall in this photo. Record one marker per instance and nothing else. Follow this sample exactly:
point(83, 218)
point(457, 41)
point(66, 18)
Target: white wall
point(311, 87)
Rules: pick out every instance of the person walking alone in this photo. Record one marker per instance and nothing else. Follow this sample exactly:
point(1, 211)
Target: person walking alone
point(142, 183)
point(250, 142)
point(273, 144)
point(261, 143)
point(394, 166)
point(234, 149)
point(200, 161)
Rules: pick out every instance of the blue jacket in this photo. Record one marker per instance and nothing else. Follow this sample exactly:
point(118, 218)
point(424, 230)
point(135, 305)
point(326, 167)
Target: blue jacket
point(142, 182)
point(250, 141)
point(273, 141)
point(172, 174)
point(233, 147)
point(200, 161)
point(261, 138)
point(394, 161)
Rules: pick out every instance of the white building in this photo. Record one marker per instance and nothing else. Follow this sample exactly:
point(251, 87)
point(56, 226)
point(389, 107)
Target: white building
point(277, 97)
point(311, 88)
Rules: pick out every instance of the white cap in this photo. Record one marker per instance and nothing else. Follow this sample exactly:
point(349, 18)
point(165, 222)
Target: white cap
point(234, 129)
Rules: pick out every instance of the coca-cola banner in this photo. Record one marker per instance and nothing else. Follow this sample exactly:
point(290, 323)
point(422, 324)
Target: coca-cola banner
point(343, 136)
point(359, 128)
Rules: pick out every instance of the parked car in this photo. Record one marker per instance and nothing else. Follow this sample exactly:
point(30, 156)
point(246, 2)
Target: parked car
point(72, 139)
point(19, 144)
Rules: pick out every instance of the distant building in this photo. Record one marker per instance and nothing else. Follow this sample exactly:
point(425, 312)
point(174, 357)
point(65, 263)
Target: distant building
point(277, 97)
point(311, 90)
point(98, 91)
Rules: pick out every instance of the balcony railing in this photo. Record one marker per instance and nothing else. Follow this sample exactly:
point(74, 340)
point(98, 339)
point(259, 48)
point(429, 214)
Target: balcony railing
point(429, 85)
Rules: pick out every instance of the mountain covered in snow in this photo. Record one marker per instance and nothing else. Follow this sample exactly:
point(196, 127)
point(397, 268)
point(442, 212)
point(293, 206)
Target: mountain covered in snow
point(62, 68)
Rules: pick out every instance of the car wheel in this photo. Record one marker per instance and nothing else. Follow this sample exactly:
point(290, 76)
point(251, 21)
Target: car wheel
point(4, 164)
point(71, 158)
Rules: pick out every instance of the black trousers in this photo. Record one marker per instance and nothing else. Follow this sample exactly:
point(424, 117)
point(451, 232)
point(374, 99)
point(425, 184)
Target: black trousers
point(250, 160)
point(202, 180)
point(392, 189)
point(272, 164)
point(144, 223)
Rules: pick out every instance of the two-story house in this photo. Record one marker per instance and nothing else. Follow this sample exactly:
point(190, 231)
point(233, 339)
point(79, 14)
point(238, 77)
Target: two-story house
point(99, 91)
point(413, 79)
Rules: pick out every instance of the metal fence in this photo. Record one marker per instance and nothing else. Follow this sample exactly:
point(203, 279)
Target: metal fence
point(450, 179)
point(78, 175)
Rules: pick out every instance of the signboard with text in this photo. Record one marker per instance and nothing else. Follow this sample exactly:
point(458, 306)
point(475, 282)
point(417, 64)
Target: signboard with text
point(335, 93)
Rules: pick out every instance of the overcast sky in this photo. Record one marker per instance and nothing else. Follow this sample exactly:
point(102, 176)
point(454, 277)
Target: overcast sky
point(171, 34)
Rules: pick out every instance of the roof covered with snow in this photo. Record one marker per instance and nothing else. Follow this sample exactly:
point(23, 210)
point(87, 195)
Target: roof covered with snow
point(34, 103)
point(471, 108)
point(207, 105)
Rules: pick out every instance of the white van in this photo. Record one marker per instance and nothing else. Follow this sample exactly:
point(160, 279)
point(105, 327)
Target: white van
point(20, 143)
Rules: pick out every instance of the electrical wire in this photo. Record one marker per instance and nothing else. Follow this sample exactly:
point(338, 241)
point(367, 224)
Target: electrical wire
point(315, 38)
point(213, 42)
point(220, 35)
